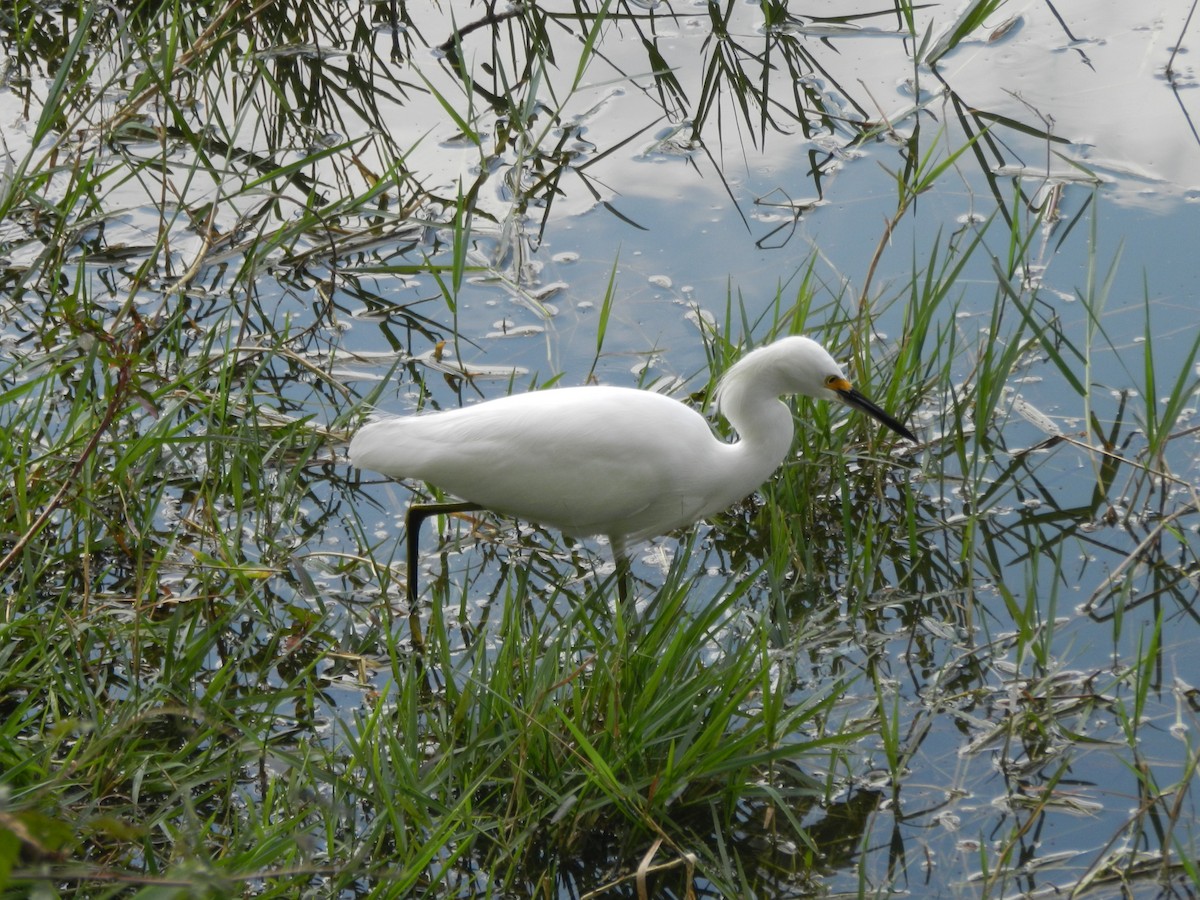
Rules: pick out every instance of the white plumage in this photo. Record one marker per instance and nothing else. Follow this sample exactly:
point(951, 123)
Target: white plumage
point(619, 462)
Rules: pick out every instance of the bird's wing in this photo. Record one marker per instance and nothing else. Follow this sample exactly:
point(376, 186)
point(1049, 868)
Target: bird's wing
point(585, 460)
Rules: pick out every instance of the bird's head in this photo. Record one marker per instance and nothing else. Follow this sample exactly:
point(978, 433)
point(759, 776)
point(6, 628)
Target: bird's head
point(799, 365)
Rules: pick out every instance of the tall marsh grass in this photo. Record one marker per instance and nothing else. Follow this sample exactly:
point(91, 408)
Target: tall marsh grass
point(207, 679)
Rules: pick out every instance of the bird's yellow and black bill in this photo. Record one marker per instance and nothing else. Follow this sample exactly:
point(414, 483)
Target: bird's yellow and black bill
point(853, 398)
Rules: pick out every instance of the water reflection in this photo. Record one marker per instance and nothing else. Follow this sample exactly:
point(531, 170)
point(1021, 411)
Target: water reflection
point(229, 230)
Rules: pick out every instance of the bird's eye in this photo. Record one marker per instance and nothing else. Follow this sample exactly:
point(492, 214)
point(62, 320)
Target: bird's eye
point(831, 380)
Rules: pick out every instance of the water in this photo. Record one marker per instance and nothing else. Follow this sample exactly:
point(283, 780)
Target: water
point(605, 185)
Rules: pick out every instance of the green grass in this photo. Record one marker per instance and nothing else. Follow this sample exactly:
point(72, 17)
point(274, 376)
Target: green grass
point(207, 684)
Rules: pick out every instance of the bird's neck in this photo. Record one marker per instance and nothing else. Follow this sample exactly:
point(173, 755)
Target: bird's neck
point(763, 423)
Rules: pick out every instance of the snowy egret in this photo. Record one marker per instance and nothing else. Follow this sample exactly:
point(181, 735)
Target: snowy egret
point(619, 462)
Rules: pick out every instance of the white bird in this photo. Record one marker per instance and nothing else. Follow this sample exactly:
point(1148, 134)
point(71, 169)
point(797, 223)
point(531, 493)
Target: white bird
point(624, 463)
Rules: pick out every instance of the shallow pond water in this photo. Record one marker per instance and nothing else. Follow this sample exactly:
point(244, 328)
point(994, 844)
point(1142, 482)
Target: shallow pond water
point(1048, 559)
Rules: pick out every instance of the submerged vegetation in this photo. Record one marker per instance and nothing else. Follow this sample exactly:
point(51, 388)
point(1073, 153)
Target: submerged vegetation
point(229, 230)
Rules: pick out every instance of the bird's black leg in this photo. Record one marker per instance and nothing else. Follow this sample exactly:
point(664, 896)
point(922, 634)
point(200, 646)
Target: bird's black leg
point(418, 513)
point(624, 571)
point(624, 575)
